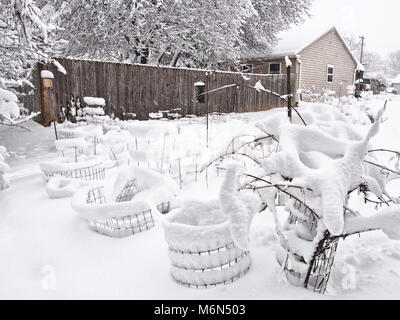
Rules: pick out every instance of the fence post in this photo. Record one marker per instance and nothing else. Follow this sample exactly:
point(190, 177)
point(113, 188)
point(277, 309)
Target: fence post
point(47, 97)
point(289, 93)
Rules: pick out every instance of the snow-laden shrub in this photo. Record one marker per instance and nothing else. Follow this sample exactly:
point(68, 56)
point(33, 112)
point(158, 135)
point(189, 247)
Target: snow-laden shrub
point(8, 105)
point(315, 163)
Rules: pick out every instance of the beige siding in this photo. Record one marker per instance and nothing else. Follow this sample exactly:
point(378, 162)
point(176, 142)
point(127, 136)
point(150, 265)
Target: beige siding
point(328, 50)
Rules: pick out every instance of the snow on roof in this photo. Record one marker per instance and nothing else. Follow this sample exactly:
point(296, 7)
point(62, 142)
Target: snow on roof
point(396, 80)
point(296, 39)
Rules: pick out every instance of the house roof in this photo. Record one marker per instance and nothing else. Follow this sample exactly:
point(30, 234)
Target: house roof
point(396, 80)
point(292, 42)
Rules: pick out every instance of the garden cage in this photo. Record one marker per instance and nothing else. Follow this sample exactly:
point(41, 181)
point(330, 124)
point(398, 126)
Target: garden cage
point(153, 143)
point(82, 170)
point(88, 132)
point(127, 207)
point(307, 257)
point(201, 248)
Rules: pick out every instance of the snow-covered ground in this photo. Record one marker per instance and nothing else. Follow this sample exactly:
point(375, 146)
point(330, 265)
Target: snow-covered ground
point(48, 252)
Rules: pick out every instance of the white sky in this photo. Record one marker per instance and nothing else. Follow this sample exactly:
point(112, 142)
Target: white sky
point(378, 21)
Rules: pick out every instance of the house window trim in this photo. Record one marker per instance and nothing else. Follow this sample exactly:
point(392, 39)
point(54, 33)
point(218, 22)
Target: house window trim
point(248, 65)
point(280, 68)
point(328, 74)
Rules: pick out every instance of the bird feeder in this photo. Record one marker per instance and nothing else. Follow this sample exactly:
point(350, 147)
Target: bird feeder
point(200, 88)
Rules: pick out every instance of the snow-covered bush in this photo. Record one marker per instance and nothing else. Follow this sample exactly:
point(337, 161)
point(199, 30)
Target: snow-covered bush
point(9, 116)
point(25, 38)
point(316, 164)
point(8, 106)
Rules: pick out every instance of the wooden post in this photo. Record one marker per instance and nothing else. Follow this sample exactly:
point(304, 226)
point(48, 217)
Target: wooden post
point(48, 112)
point(55, 130)
point(289, 92)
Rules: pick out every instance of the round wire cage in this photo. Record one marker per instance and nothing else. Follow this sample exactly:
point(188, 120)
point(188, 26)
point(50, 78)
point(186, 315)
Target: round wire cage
point(83, 170)
point(126, 224)
point(313, 273)
point(204, 256)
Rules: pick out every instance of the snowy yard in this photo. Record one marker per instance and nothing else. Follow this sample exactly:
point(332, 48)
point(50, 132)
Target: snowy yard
point(48, 251)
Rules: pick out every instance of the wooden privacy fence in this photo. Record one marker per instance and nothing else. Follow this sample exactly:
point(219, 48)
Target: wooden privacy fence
point(141, 89)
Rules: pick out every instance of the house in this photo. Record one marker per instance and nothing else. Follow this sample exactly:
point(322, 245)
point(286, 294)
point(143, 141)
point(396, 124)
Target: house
point(396, 83)
point(319, 62)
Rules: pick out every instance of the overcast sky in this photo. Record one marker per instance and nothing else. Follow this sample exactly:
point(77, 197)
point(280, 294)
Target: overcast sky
point(378, 21)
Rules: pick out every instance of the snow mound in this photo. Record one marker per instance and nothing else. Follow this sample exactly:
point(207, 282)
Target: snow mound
point(62, 187)
point(8, 104)
point(46, 74)
point(94, 101)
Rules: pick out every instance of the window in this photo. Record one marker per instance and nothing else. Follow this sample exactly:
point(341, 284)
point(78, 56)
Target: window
point(247, 68)
point(330, 74)
point(275, 68)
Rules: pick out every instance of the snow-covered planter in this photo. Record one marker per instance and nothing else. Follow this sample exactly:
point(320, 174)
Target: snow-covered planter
point(208, 241)
point(306, 256)
point(83, 170)
point(153, 143)
point(201, 247)
point(128, 206)
point(80, 131)
point(118, 143)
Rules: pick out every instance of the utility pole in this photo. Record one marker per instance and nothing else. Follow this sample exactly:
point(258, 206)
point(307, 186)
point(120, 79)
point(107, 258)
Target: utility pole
point(362, 48)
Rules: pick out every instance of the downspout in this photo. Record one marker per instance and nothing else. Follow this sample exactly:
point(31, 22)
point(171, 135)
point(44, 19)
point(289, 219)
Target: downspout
point(299, 77)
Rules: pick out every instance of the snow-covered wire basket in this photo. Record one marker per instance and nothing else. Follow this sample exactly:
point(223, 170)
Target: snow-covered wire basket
point(201, 248)
point(315, 274)
point(83, 170)
point(127, 207)
point(93, 131)
point(120, 226)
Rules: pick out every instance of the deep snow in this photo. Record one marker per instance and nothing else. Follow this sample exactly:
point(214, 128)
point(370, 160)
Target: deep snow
point(49, 252)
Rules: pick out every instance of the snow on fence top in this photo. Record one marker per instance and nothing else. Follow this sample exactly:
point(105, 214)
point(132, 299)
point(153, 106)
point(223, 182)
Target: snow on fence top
point(206, 71)
point(46, 74)
point(200, 83)
point(93, 101)
point(59, 67)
